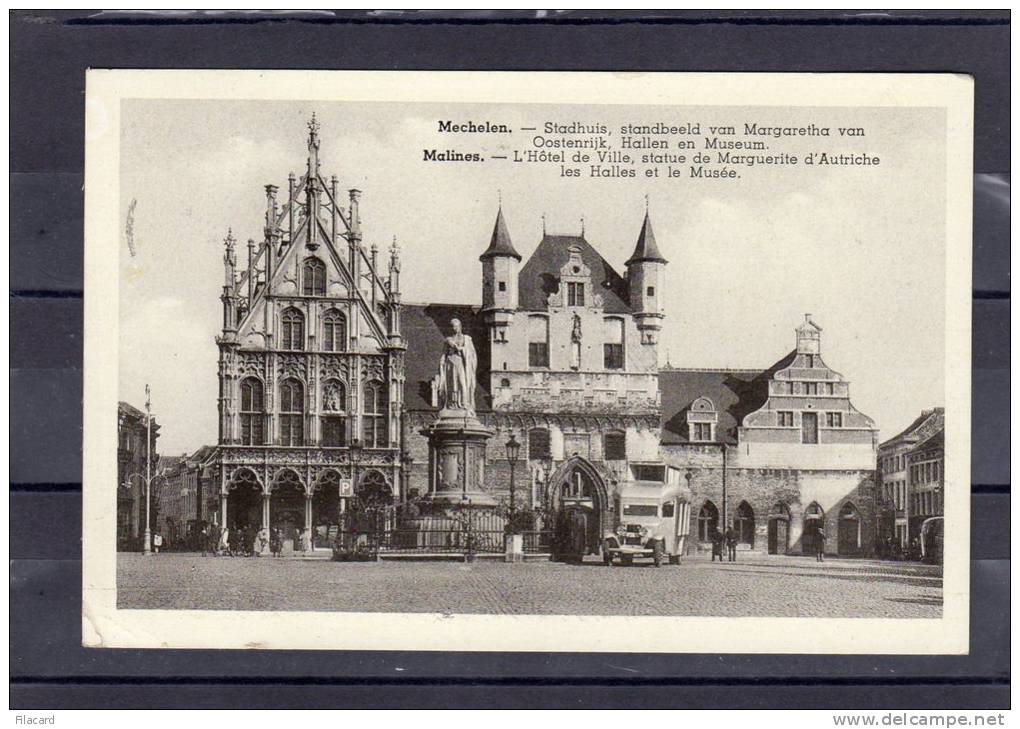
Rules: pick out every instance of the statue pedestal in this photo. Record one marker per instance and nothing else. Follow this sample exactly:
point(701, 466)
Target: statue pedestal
point(457, 442)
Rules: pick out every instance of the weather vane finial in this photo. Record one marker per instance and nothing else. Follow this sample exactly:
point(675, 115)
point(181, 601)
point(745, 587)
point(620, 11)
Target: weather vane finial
point(582, 226)
point(313, 124)
point(543, 223)
point(646, 203)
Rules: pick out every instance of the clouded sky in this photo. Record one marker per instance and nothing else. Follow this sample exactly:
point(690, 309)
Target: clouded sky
point(860, 248)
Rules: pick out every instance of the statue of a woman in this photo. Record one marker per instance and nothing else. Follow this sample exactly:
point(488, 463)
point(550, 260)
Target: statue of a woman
point(457, 371)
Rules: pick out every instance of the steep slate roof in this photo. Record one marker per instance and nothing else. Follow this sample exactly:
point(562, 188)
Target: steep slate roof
point(425, 327)
point(735, 394)
point(500, 244)
point(918, 422)
point(540, 276)
point(646, 248)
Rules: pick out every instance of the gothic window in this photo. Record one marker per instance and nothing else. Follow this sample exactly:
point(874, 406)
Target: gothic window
point(334, 331)
point(293, 325)
point(614, 446)
point(313, 277)
point(538, 341)
point(613, 344)
point(374, 431)
point(708, 521)
point(292, 409)
point(575, 293)
point(538, 444)
point(252, 412)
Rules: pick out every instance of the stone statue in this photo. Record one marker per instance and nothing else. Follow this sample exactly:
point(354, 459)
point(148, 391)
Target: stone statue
point(457, 371)
point(575, 343)
point(331, 399)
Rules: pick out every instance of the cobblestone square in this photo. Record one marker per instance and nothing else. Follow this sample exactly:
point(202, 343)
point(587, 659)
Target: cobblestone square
point(754, 586)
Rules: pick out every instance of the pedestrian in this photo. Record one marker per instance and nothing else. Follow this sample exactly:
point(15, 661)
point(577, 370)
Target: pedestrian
point(235, 541)
point(275, 542)
point(717, 543)
point(261, 542)
point(224, 542)
point(157, 542)
point(819, 545)
point(731, 545)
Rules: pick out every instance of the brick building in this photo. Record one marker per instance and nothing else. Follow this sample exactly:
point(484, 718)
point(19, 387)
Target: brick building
point(773, 452)
point(311, 366)
point(188, 484)
point(131, 462)
point(911, 473)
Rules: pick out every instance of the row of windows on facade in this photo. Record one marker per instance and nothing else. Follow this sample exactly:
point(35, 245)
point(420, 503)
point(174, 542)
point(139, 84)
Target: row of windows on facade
point(832, 420)
point(893, 463)
point(926, 503)
point(612, 347)
point(896, 492)
point(333, 421)
point(925, 472)
point(334, 331)
point(780, 387)
point(614, 445)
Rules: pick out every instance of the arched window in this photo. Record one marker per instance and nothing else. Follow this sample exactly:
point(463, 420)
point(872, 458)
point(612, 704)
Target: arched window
point(373, 417)
point(538, 444)
point(252, 412)
point(743, 523)
point(313, 277)
point(292, 413)
point(373, 489)
point(708, 521)
point(293, 325)
point(612, 347)
point(334, 331)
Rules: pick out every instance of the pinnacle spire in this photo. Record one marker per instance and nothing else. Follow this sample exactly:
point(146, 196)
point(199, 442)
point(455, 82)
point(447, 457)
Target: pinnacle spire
point(646, 249)
point(500, 244)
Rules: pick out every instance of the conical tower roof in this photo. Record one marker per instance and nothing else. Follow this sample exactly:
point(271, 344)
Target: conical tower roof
point(646, 248)
point(500, 245)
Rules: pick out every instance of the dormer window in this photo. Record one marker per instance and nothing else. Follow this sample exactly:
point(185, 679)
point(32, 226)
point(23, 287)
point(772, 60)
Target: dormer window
point(702, 419)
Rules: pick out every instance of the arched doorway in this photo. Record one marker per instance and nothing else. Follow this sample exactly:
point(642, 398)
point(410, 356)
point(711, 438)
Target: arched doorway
point(743, 524)
point(813, 537)
point(848, 543)
point(708, 521)
point(578, 498)
point(326, 509)
point(244, 501)
point(779, 529)
point(287, 508)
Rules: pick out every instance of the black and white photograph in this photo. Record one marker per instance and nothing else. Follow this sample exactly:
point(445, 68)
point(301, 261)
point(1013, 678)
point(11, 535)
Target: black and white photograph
point(527, 361)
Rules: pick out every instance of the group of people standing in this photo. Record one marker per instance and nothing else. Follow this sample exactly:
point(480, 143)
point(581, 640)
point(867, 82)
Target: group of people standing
point(727, 539)
point(241, 541)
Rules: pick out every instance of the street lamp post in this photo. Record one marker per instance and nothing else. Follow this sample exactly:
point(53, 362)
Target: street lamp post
point(513, 450)
point(148, 478)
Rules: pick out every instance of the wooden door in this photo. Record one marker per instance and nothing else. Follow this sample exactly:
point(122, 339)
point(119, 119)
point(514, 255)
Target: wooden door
point(809, 427)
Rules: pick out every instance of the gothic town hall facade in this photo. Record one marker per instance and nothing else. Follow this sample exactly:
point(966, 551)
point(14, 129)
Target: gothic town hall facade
point(311, 364)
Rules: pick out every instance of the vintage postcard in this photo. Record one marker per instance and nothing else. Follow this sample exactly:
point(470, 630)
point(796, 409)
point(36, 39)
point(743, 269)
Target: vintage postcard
point(527, 361)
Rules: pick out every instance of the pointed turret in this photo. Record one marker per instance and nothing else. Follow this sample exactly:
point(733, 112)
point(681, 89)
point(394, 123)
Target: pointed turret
point(499, 279)
point(229, 296)
point(646, 249)
point(500, 243)
point(645, 269)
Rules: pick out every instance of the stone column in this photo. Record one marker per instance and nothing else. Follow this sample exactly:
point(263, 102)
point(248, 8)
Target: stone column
point(307, 545)
point(223, 510)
